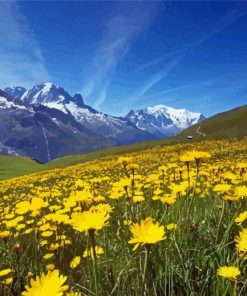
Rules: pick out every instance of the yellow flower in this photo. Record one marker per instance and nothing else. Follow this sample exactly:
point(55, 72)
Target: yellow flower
point(138, 198)
point(22, 207)
point(5, 272)
point(50, 266)
point(170, 200)
point(74, 294)
point(89, 221)
point(47, 233)
point(75, 262)
point(242, 216)
point(171, 226)
point(48, 256)
point(229, 272)
point(54, 247)
point(241, 241)
point(146, 232)
point(8, 281)
point(127, 222)
point(123, 160)
point(241, 191)
point(4, 234)
point(222, 187)
point(51, 284)
point(89, 252)
point(36, 204)
point(194, 155)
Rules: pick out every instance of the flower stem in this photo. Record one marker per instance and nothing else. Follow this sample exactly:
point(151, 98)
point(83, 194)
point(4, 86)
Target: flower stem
point(145, 269)
point(92, 236)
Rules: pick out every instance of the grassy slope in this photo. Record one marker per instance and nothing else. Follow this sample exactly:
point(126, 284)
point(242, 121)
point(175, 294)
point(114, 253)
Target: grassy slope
point(230, 124)
point(74, 159)
point(13, 166)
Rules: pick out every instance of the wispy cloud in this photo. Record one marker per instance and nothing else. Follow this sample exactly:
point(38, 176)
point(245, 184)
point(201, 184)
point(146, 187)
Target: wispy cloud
point(149, 64)
point(127, 22)
point(191, 86)
point(21, 59)
point(156, 77)
point(176, 56)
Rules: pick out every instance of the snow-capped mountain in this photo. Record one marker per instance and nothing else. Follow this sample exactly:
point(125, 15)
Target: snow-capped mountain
point(43, 133)
point(16, 92)
point(7, 103)
point(114, 128)
point(44, 94)
point(46, 122)
point(162, 120)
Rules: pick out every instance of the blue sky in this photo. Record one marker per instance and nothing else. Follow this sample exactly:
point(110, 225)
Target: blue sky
point(126, 55)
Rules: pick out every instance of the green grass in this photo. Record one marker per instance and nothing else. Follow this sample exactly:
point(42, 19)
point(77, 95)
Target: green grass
point(230, 124)
point(80, 158)
point(14, 166)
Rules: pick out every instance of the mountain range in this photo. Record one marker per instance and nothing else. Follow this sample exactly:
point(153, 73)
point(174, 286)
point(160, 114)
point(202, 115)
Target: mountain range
point(46, 122)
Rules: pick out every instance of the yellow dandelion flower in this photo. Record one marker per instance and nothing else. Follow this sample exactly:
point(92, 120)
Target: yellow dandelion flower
point(241, 217)
point(127, 222)
point(50, 267)
point(147, 232)
point(138, 198)
point(194, 155)
point(241, 191)
point(48, 256)
point(72, 293)
point(170, 200)
point(5, 272)
point(47, 233)
point(8, 281)
point(124, 160)
point(51, 284)
point(241, 243)
point(171, 226)
point(229, 272)
point(75, 262)
point(222, 187)
point(89, 252)
point(4, 234)
point(89, 221)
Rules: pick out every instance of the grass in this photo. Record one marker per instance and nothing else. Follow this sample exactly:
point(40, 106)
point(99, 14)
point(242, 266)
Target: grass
point(14, 166)
point(230, 124)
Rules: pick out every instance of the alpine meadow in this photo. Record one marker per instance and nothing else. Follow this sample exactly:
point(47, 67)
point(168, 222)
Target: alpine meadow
point(169, 220)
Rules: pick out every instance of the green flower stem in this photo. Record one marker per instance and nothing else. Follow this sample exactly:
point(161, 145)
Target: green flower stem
point(147, 247)
point(92, 236)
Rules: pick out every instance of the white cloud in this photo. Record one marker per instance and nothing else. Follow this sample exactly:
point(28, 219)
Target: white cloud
point(124, 25)
point(21, 60)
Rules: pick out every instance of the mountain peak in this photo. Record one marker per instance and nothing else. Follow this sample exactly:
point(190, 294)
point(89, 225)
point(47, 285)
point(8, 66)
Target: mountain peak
point(44, 94)
point(163, 120)
point(16, 92)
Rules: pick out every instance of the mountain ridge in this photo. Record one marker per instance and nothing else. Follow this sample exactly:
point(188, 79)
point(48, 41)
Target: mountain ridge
point(33, 111)
point(164, 120)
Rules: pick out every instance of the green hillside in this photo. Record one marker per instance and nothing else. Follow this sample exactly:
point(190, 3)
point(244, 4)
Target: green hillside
point(230, 124)
point(13, 166)
point(74, 159)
